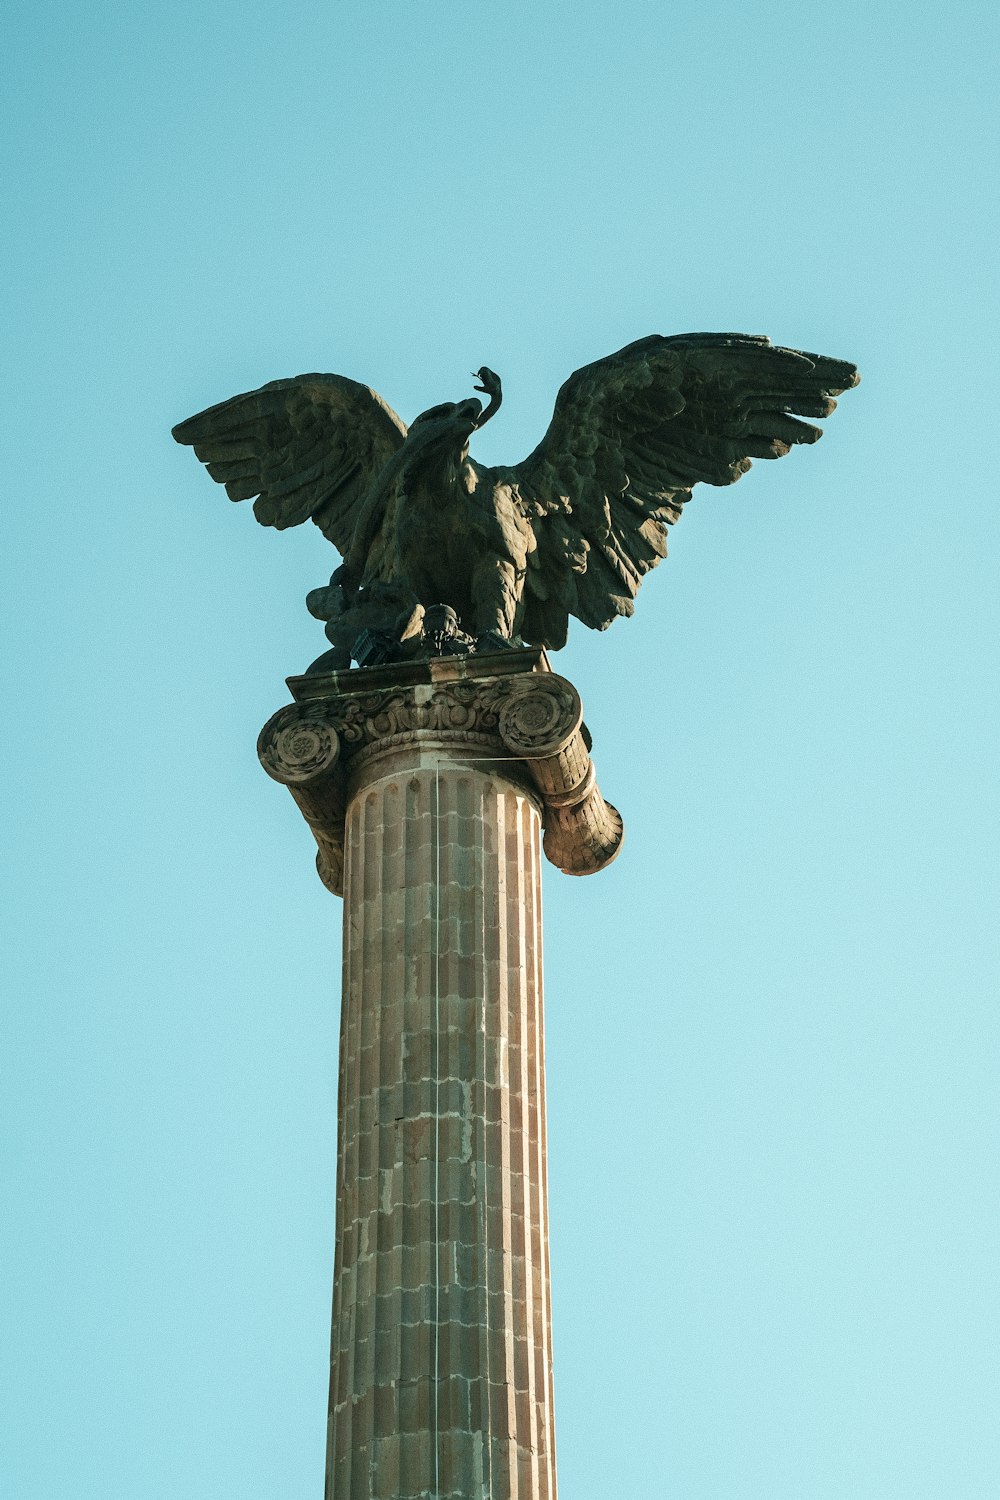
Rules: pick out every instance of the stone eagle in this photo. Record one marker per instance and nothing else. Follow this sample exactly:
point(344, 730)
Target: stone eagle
point(513, 551)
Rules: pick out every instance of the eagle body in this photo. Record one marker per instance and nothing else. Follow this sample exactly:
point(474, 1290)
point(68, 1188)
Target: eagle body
point(514, 550)
point(444, 526)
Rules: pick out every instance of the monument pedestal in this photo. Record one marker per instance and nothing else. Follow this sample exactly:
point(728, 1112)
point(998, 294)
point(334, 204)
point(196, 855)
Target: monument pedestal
point(427, 787)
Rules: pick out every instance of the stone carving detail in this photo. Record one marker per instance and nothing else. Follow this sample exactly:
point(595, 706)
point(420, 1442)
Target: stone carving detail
point(536, 716)
point(571, 530)
point(583, 836)
point(471, 706)
point(365, 718)
point(300, 748)
point(298, 744)
point(540, 716)
point(543, 721)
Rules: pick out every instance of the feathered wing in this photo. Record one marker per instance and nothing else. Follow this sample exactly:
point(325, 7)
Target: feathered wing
point(308, 447)
point(630, 436)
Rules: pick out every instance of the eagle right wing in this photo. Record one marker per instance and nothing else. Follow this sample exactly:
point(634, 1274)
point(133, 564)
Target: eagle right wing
point(629, 438)
point(308, 447)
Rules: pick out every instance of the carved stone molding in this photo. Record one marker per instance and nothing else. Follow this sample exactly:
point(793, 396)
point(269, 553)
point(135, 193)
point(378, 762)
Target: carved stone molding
point(518, 707)
point(460, 708)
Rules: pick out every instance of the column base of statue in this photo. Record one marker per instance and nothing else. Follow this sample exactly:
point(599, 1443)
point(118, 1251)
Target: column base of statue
point(431, 789)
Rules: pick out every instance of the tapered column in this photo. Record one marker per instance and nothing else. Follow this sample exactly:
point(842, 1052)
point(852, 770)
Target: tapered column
point(441, 1380)
point(426, 788)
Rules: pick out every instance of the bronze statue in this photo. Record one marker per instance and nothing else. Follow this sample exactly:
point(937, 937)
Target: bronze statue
point(443, 554)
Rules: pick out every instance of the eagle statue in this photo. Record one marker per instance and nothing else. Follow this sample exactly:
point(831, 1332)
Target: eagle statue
point(442, 553)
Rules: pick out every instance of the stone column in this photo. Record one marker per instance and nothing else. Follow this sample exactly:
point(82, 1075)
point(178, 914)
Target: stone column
point(427, 796)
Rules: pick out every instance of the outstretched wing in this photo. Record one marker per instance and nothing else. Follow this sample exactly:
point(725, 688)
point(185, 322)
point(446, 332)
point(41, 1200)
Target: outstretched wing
point(309, 447)
point(630, 436)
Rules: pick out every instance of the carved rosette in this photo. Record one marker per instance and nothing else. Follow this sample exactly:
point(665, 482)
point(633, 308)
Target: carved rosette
point(300, 747)
point(534, 715)
point(542, 715)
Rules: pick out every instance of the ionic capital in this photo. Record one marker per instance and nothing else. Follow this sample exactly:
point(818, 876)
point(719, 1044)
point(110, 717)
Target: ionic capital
point(509, 702)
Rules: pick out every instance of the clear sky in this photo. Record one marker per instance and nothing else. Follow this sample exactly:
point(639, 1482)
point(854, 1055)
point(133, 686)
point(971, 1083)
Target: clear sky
point(772, 1024)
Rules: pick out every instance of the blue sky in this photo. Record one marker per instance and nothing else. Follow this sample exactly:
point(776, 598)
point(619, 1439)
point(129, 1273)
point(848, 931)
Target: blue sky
point(772, 1024)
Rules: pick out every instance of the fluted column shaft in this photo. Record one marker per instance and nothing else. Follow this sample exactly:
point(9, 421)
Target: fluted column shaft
point(425, 784)
point(441, 1361)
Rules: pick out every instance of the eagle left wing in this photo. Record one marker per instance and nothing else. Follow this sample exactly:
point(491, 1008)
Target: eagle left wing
point(308, 447)
point(629, 438)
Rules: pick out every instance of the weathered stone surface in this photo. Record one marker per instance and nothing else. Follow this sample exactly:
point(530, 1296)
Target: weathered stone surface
point(509, 702)
point(441, 1357)
point(427, 786)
